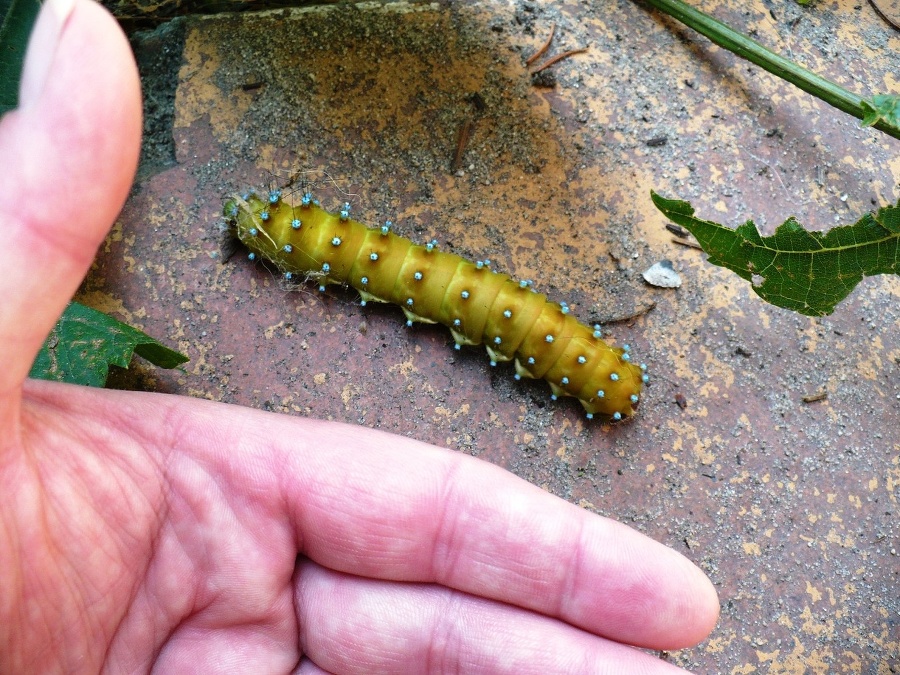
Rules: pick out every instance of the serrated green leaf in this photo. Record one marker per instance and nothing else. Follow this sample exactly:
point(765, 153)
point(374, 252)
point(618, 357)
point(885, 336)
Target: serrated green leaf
point(85, 342)
point(808, 272)
point(16, 20)
point(881, 108)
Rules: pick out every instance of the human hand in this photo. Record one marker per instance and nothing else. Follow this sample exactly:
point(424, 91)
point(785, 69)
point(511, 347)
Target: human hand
point(143, 532)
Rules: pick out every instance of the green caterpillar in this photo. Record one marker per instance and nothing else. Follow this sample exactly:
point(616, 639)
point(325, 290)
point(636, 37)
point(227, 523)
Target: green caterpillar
point(477, 304)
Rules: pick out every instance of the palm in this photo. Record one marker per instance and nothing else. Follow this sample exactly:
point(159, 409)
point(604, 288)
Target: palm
point(145, 532)
point(157, 543)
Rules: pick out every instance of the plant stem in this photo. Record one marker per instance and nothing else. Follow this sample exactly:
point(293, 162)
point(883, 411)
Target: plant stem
point(754, 52)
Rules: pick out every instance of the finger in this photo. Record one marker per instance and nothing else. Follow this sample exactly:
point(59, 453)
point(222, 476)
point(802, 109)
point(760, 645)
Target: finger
point(69, 155)
point(377, 506)
point(355, 625)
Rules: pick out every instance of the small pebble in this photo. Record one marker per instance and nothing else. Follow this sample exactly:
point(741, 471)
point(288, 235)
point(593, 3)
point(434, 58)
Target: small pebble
point(662, 275)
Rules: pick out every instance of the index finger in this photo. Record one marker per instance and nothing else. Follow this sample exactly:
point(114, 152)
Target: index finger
point(451, 519)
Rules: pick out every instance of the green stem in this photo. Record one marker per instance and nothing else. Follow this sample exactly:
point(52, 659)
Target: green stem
point(754, 52)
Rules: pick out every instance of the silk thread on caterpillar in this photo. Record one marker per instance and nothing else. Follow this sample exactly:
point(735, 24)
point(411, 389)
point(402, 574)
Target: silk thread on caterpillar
point(478, 305)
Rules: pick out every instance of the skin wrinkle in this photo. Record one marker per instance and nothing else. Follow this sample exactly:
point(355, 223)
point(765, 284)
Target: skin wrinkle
point(621, 589)
point(324, 636)
point(481, 560)
point(582, 663)
point(170, 490)
point(437, 646)
point(162, 516)
point(41, 533)
point(574, 571)
point(255, 466)
point(296, 601)
point(188, 499)
point(176, 425)
point(174, 618)
point(63, 579)
point(631, 592)
point(442, 567)
point(79, 488)
point(651, 606)
point(302, 606)
point(98, 476)
point(166, 623)
point(279, 593)
point(115, 454)
point(219, 482)
point(116, 633)
point(17, 589)
point(134, 432)
point(10, 581)
point(286, 506)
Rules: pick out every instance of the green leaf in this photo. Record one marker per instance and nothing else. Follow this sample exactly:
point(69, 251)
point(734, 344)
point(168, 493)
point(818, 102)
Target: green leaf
point(808, 272)
point(16, 20)
point(882, 108)
point(85, 342)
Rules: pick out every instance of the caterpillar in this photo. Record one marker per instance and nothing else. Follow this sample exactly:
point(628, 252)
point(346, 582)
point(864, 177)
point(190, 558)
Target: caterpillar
point(477, 304)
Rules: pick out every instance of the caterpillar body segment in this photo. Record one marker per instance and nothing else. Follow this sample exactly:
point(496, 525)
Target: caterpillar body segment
point(477, 304)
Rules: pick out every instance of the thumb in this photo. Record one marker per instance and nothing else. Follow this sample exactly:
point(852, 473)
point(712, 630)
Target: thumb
point(69, 153)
